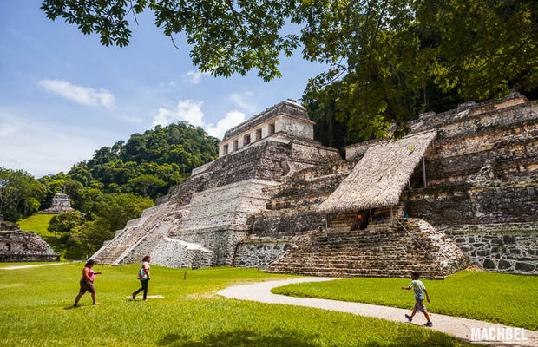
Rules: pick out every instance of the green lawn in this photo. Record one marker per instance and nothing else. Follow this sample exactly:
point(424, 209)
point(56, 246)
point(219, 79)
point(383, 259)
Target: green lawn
point(494, 297)
point(36, 311)
point(37, 223)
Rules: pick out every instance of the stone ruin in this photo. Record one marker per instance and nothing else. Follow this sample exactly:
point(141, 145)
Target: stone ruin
point(19, 246)
point(460, 188)
point(60, 203)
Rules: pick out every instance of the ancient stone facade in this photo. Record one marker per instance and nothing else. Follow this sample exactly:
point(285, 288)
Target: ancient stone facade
point(18, 246)
point(261, 252)
point(286, 117)
point(257, 206)
point(60, 203)
point(482, 182)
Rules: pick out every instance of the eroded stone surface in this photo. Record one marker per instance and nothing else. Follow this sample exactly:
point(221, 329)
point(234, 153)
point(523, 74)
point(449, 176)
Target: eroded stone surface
point(19, 246)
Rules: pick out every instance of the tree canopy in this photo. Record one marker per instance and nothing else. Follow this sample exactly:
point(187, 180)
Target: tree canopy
point(388, 60)
point(397, 59)
point(20, 194)
point(148, 164)
point(226, 37)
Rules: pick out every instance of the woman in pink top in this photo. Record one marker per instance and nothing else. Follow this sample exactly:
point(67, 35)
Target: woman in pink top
point(86, 283)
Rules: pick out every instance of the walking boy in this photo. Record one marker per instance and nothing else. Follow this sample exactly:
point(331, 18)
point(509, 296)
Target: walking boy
point(420, 290)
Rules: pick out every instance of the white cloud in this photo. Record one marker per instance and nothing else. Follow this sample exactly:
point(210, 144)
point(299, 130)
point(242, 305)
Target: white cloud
point(83, 95)
point(191, 111)
point(170, 84)
point(186, 110)
point(243, 101)
point(231, 119)
point(195, 76)
point(43, 148)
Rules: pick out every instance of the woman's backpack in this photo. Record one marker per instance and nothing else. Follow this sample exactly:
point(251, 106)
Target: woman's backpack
point(141, 273)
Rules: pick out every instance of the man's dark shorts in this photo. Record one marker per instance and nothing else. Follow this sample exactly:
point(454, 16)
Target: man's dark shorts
point(86, 287)
point(419, 305)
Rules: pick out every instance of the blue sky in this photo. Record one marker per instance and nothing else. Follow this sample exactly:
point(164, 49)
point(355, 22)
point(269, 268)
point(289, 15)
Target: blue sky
point(63, 95)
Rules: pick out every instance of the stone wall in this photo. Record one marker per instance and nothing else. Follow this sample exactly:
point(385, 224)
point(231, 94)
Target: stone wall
point(507, 247)
point(474, 205)
point(280, 223)
point(18, 246)
point(178, 253)
point(298, 128)
point(482, 177)
point(260, 252)
point(225, 207)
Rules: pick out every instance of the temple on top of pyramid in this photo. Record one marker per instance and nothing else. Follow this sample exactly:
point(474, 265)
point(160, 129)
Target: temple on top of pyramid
point(60, 203)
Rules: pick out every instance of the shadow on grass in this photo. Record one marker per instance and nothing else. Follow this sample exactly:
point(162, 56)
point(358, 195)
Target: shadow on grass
point(280, 338)
point(78, 307)
point(237, 338)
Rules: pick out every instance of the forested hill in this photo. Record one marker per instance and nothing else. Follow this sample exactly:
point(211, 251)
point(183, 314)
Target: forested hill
point(148, 164)
point(145, 166)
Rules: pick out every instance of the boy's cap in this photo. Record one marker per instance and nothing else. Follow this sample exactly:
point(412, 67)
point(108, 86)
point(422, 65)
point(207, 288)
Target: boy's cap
point(415, 274)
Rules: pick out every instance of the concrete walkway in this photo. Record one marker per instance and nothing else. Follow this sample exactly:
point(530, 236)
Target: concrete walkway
point(458, 327)
point(17, 267)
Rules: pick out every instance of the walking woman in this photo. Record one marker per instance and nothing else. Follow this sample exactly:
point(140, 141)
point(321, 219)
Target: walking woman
point(143, 276)
point(86, 283)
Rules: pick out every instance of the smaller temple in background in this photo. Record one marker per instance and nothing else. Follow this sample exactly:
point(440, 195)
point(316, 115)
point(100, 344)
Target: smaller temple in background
point(60, 203)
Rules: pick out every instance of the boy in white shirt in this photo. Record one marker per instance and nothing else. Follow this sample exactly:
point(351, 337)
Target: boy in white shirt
point(420, 290)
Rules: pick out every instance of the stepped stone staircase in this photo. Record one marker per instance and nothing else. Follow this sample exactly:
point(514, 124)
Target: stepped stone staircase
point(114, 251)
point(380, 250)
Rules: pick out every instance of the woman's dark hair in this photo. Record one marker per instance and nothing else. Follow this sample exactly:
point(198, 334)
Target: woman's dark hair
point(146, 258)
point(90, 262)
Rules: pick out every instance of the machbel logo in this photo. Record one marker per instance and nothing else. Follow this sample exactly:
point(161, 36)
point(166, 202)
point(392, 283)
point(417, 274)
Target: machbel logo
point(498, 334)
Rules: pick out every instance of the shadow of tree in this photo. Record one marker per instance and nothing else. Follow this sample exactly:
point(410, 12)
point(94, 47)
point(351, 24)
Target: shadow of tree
point(238, 338)
point(282, 338)
point(434, 339)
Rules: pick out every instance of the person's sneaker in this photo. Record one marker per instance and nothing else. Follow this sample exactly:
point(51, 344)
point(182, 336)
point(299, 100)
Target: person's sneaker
point(429, 324)
point(408, 317)
point(134, 296)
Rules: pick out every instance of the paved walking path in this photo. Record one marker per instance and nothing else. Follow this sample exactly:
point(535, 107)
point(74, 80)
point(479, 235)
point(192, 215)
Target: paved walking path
point(458, 327)
point(17, 267)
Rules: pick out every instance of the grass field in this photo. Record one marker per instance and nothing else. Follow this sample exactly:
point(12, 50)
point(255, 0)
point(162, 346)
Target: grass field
point(494, 297)
point(37, 223)
point(36, 311)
